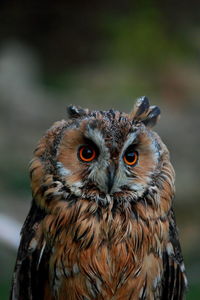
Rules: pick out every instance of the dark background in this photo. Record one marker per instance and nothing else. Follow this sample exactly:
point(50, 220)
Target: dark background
point(98, 54)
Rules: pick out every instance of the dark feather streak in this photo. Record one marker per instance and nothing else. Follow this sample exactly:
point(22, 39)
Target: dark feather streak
point(143, 107)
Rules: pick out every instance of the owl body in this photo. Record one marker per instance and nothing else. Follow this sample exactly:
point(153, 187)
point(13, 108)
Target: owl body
point(101, 225)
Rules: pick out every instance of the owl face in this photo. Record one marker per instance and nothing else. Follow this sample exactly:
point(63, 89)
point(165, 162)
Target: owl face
point(109, 154)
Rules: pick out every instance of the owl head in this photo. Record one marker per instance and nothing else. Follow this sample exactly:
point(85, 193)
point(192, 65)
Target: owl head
point(101, 155)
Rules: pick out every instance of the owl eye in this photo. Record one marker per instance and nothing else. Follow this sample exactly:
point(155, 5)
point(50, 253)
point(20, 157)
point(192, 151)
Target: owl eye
point(130, 157)
point(87, 153)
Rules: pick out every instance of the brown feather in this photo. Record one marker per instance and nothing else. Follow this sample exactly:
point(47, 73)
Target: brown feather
point(82, 242)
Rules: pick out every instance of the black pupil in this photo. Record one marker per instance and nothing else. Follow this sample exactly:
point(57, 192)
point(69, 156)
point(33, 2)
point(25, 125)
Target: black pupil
point(130, 156)
point(87, 152)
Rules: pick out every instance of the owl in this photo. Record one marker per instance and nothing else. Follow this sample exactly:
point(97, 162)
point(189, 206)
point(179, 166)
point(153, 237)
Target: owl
point(101, 223)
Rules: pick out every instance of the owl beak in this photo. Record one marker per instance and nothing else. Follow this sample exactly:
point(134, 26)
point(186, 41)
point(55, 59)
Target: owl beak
point(111, 170)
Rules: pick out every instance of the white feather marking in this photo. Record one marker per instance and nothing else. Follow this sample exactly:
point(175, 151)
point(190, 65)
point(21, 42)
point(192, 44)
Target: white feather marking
point(77, 184)
point(142, 292)
point(156, 281)
point(41, 253)
point(154, 150)
point(182, 267)
point(33, 244)
point(59, 272)
point(62, 170)
point(170, 250)
point(185, 280)
point(130, 139)
point(98, 169)
point(75, 188)
point(75, 268)
point(96, 136)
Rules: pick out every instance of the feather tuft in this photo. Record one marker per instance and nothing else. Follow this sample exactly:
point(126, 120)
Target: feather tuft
point(76, 111)
point(153, 116)
point(143, 112)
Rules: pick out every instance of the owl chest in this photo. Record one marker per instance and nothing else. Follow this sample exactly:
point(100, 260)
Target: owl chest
point(105, 259)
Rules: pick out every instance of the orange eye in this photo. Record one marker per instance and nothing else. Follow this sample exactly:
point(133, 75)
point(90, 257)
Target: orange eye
point(130, 157)
point(87, 153)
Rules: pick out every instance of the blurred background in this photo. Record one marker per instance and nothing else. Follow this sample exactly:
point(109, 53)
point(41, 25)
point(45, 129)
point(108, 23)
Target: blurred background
point(98, 54)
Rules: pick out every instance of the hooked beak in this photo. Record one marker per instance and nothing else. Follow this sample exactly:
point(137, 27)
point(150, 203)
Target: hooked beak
point(111, 170)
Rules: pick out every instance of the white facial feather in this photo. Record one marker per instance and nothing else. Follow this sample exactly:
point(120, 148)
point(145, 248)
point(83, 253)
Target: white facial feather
point(122, 178)
point(96, 136)
point(62, 170)
point(129, 141)
point(98, 169)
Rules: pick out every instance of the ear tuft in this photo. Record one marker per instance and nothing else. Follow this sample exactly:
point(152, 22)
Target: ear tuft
point(76, 111)
point(153, 116)
point(140, 109)
point(144, 113)
point(141, 106)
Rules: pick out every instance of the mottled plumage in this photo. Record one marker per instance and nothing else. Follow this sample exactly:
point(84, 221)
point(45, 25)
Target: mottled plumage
point(101, 224)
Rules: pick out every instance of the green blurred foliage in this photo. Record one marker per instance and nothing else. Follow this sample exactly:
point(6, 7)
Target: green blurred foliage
point(193, 292)
point(142, 39)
